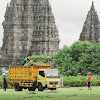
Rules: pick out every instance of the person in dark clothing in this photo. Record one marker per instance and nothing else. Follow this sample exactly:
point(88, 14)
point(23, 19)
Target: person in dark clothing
point(4, 82)
point(25, 60)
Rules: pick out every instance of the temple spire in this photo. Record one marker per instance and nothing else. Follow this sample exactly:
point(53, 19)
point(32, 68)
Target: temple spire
point(92, 3)
point(91, 28)
point(92, 7)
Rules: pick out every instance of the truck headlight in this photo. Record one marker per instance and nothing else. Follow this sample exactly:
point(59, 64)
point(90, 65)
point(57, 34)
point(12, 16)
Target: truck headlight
point(58, 82)
point(47, 82)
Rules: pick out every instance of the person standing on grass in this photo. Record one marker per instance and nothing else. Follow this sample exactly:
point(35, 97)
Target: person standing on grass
point(4, 81)
point(89, 80)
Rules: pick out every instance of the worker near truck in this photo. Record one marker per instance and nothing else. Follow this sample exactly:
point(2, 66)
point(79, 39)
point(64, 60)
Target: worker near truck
point(4, 81)
point(25, 60)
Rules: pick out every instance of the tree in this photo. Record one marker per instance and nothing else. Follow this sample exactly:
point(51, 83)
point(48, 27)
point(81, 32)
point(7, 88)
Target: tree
point(78, 48)
point(90, 60)
point(63, 62)
point(81, 57)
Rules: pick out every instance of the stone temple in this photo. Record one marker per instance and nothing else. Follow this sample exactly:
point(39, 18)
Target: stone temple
point(91, 28)
point(29, 29)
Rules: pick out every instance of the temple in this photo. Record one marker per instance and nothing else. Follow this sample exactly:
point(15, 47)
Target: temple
point(91, 27)
point(29, 29)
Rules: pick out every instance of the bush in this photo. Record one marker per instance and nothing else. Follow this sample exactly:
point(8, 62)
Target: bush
point(71, 81)
point(80, 81)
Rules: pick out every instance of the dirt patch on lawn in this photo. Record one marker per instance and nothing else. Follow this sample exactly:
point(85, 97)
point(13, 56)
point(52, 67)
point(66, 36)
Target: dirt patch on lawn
point(66, 87)
point(70, 95)
point(52, 91)
point(32, 93)
point(80, 89)
point(38, 97)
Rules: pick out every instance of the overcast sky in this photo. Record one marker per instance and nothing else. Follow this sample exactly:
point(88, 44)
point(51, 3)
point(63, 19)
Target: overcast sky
point(69, 17)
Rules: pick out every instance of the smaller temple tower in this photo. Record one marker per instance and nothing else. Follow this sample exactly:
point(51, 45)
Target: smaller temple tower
point(91, 27)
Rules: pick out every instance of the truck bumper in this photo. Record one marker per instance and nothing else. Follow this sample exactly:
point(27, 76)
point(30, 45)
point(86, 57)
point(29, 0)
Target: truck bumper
point(53, 86)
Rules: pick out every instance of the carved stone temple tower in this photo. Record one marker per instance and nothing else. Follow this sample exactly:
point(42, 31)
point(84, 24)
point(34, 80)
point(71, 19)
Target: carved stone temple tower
point(91, 28)
point(29, 29)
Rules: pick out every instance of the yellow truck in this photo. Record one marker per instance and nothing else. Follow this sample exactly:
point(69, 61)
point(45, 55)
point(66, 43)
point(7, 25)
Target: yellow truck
point(36, 76)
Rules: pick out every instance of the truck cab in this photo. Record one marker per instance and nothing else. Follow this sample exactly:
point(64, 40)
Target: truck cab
point(48, 78)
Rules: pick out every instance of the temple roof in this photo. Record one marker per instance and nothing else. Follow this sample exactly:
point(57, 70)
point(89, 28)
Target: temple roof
point(91, 27)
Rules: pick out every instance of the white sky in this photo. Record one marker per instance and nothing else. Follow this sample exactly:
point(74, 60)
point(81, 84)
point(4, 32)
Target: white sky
point(69, 17)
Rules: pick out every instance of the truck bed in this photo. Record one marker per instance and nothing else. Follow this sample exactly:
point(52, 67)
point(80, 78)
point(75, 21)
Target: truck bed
point(27, 74)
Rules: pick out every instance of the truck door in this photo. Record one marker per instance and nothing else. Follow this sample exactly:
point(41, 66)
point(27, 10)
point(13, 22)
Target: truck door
point(41, 78)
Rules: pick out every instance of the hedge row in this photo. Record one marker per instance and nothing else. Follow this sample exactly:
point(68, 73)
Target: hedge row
point(78, 81)
point(71, 81)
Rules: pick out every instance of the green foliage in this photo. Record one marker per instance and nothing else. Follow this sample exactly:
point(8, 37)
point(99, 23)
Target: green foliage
point(34, 63)
point(64, 63)
point(78, 48)
point(90, 60)
point(40, 58)
point(81, 57)
point(80, 81)
point(9, 85)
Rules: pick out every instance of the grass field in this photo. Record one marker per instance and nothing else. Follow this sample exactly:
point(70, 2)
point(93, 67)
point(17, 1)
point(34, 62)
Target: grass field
point(72, 93)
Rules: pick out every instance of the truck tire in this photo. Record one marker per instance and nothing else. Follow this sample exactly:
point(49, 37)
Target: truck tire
point(33, 89)
point(34, 86)
point(53, 89)
point(17, 87)
point(40, 87)
point(25, 87)
point(30, 88)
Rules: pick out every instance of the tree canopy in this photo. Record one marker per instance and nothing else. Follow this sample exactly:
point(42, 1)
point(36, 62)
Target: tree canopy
point(80, 57)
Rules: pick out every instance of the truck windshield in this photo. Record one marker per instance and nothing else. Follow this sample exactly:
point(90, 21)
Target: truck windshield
point(52, 73)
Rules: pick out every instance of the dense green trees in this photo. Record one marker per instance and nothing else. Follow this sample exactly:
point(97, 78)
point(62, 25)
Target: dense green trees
point(78, 48)
point(90, 61)
point(63, 61)
point(81, 57)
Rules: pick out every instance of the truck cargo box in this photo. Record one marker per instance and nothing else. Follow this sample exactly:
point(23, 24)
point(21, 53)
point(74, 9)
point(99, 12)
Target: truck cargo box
point(27, 74)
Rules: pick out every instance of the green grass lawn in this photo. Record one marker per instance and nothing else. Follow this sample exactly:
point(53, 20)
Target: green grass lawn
point(73, 93)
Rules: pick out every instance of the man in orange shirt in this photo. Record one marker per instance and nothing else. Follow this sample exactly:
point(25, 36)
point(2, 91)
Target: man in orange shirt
point(89, 80)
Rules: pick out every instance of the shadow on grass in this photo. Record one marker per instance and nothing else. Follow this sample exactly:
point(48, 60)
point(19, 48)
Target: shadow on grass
point(80, 89)
point(70, 95)
point(54, 91)
point(39, 97)
point(32, 93)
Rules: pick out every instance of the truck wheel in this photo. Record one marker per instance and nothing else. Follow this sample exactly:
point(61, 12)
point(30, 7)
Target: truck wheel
point(53, 89)
point(34, 86)
point(33, 89)
point(17, 87)
point(30, 88)
point(40, 87)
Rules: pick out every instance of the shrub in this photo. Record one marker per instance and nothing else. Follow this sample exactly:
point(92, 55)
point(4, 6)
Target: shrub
point(80, 81)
